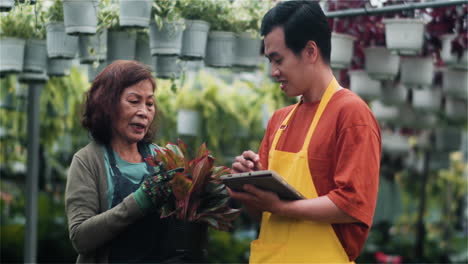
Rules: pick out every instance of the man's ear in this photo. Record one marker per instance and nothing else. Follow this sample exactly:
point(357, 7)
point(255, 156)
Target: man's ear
point(311, 51)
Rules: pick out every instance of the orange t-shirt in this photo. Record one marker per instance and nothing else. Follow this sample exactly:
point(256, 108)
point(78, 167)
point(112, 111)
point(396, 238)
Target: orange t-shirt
point(344, 158)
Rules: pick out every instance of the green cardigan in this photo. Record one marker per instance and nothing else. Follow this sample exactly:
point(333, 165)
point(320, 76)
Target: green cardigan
point(90, 223)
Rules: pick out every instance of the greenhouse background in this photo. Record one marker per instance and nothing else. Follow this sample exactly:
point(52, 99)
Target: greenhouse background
point(407, 59)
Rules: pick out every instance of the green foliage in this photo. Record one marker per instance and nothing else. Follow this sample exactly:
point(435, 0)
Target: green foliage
point(225, 247)
point(222, 18)
point(108, 17)
point(197, 10)
point(249, 15)
point(55, 12)
point(165, 10)
point(198, 193)
point(22, 22)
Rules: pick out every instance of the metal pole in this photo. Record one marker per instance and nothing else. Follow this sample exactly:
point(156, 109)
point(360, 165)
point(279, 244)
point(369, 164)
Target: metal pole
point(32, 176)
point(393, 8)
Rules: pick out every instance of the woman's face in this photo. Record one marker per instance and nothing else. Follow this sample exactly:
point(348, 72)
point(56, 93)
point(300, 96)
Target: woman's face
point(135, 113)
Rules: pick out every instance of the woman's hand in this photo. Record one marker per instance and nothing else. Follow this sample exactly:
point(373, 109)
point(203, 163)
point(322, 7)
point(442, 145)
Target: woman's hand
point(248, 161)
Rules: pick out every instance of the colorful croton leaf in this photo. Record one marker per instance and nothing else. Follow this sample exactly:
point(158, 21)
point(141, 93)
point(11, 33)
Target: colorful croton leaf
point(197, 194)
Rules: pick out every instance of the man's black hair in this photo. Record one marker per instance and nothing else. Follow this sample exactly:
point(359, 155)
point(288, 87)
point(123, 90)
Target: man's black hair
point(301, 21)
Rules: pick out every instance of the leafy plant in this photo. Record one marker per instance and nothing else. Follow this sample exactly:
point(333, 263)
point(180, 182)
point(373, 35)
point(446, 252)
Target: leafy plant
point(249, 15)
point(55, 12)
point(222, 18)
point(198, 195)
point(197, 10)
point(18, 23)
point(165, 10)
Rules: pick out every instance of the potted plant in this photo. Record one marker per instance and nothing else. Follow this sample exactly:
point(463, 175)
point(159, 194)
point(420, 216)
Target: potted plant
point(247, 21)
point(404, 35)
point(342, 43)
point(384, 113)
point(417, 71)
point(15, 30)
point(143, 52)
point(455, 109)
point(135, 13)
point(94, 47)
point(363, 85)
point(189, 105)
point(166, 28)
point(195, 13)
point(80, 17)
point(428, 100)
point(121, 42)
point(221, 39)
point(454, 82)
point(59, 43)
point(394, 93)
point(198, 198)
point(58, 67)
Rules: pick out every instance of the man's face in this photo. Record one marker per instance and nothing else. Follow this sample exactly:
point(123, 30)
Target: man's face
point(286, 67)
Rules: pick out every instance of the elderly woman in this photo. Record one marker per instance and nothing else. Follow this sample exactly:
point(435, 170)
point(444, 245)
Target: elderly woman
point(110, 198)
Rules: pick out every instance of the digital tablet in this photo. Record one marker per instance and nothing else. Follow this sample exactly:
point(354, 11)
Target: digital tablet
point(266, 179)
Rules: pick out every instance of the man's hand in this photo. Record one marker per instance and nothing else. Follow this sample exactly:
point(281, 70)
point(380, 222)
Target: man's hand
point(258, 200)
point(248, 161)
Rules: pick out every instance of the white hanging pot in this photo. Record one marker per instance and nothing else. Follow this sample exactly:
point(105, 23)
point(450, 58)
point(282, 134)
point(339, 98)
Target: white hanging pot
point(384, 113)
point(35, 56)
point(446, 54)
point(427, 99)
point(394, 94)
point(188, 122)
point(455, 82)
point(407, 116)
point(395, 144)
point(220, 49)
point(247, 50)
point(134, 13)
point(448, 138)
point(60, 44)
point(80, 17)
point(58, 67)
point(12, 52)
point(342, 48)
point(143, 52)
point(363, 85)
point(93, 48)
point(121, 45)
point(417, 71)
point(381, 64)
point(167, 67)
point(455, 108)
point(405, 35)
point(194, 39)
point(6, 5)
point(168, 39)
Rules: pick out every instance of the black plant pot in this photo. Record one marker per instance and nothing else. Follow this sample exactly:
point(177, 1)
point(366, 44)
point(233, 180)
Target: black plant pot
point(184, 242)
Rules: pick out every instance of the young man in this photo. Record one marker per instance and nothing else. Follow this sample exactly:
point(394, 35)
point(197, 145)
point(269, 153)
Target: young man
point(327, 146)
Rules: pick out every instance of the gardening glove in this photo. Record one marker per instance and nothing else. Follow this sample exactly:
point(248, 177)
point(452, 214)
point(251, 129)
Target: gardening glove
point(155, 190)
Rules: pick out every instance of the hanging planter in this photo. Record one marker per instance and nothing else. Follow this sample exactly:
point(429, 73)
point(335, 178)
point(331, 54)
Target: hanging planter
point(247, 50)
point(404, 35)
point(80, 17)
point(220, 49)
point(384, 113)
point(446, 51)
point(93, 48)
point(342, 46)
point(394, 94)
point(35, 56)
point(33, 77)
point(427, 100)
point(135, 13)
point(194, 39)
point(395, 144)
point(188, 122)
point(60, 44)
point(58, 67)
point(363, 85)
point(425, 120)
point(6, 5)
point(381, 64)
point(454, 82)
point(12, 51)
point(455, 109)
point(167, 67)
point(94, 70)
point(120, 45)
point(447, 138)
point(166, 40)
point(417, 72)
point(143, 52)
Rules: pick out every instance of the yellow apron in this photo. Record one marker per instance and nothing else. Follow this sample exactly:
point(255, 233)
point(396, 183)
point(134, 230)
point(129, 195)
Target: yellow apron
point(284, 239)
